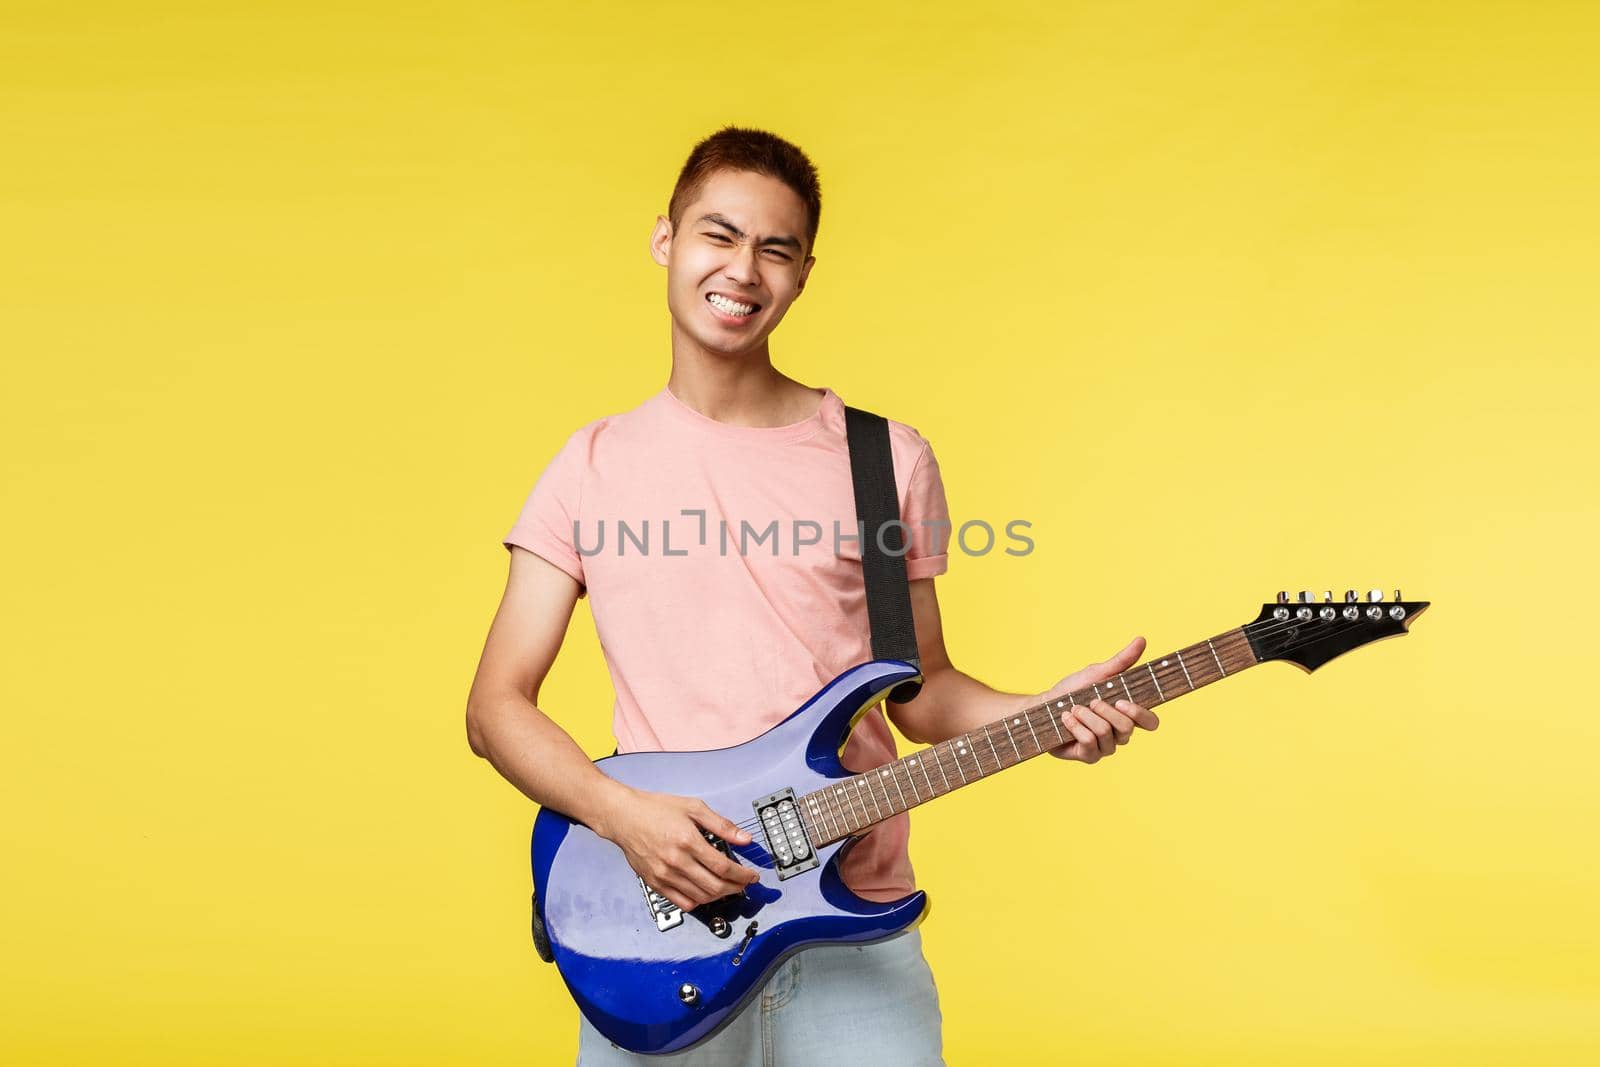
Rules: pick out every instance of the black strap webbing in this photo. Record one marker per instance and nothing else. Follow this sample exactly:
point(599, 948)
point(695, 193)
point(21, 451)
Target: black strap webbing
point(894, 632)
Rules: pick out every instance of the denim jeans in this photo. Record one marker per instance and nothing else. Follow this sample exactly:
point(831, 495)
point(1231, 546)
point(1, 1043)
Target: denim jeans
point(840, 1005)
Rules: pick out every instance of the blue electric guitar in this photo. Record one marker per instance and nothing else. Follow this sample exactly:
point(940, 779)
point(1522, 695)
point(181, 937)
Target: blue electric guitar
point(654, 979)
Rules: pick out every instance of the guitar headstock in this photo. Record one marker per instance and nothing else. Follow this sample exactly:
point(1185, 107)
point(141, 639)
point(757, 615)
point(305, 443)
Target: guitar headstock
point(1309, 632)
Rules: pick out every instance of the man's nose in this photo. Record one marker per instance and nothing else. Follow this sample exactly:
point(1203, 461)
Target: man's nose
point(741, 266)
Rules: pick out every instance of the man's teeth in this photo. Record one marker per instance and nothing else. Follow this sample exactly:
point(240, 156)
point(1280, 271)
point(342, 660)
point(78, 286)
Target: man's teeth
point(722, 303)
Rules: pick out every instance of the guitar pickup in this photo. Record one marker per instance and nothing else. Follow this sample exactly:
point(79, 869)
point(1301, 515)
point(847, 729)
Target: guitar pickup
point(787, 839)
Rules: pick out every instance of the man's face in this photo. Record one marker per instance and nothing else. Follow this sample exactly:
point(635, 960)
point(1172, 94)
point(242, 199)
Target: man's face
point(736, 262)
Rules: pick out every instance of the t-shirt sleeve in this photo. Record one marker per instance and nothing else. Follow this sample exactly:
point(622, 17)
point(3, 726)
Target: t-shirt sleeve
point(927, 514)
point(546, 523)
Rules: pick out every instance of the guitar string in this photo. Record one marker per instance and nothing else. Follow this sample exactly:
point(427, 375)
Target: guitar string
point(1260, 629)
point(853, 806)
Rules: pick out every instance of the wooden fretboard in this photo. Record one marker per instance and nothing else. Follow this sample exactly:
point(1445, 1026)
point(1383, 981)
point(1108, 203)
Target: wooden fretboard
point(850, 805)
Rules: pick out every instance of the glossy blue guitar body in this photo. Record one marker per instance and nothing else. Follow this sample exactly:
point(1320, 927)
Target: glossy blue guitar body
point(655, 990)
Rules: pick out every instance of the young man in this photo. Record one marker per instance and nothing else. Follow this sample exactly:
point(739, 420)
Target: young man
point(715, 627)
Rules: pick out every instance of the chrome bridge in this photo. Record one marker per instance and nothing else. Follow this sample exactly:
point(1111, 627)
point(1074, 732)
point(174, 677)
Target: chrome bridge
point(665, 912)
point(787, 840)
point(716, 914)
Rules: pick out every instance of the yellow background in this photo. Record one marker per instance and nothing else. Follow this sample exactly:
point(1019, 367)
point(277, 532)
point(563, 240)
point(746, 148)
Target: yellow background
point(296, 300)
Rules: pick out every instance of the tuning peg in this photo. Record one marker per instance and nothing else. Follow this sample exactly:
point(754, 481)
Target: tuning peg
point(1397, 596)
point(1283, 598)
point(1375, 595)
point(1350, 596)
point(1307, 597)
point(1327, 596)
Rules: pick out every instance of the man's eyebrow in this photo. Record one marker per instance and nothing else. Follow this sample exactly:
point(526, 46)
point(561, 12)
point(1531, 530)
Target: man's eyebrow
point(786, 240)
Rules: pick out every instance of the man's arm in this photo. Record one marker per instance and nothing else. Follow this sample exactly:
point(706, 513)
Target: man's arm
point(953, 703)
point(659, 833)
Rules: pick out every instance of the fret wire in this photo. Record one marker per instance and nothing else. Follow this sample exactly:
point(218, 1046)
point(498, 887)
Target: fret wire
point(896, 780)
point(911, 779)
point(834, 813)
point(833, 823)
point(1045, 709)
point(870, 777)
point(869, 793)
point(1185, 671)
point(866, 780)
point(846, 809)
point(1050, 717)
point(1156, 680)
point(1013, 741)
point(855, 816)
point(959, 771)
point(888, 800)
point(996, 751)
point(822, 813)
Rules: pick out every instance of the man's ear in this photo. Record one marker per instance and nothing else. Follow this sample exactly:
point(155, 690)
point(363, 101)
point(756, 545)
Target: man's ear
point(805, 272)
point(661, 240)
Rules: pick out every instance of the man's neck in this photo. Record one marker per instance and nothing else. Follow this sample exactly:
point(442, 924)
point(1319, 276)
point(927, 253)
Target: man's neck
point(743, 390)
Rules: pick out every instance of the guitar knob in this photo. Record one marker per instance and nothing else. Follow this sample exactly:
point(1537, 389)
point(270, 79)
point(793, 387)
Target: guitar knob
point(1283, 598)
point(1350, 596)
point(1327, 596)
point(1307, 597)
point(689, 994)
point(1375, 595)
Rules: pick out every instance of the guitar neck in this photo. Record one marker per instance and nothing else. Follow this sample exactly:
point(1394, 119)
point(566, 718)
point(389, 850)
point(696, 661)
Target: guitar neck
point(850, 805)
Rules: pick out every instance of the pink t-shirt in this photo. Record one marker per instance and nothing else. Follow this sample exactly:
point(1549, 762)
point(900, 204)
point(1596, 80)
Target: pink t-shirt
point(724, 580)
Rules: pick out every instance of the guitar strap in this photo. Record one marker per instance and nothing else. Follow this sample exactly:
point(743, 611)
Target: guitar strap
point(883, 544)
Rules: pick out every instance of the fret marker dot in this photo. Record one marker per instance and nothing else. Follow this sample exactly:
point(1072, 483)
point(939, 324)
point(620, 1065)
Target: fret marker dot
point(913, 763)
point(1061, 703)
point(1164, 663)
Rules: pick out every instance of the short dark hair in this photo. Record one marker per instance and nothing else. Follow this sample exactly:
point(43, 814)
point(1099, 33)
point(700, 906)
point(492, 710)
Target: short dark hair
point(741, 148)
